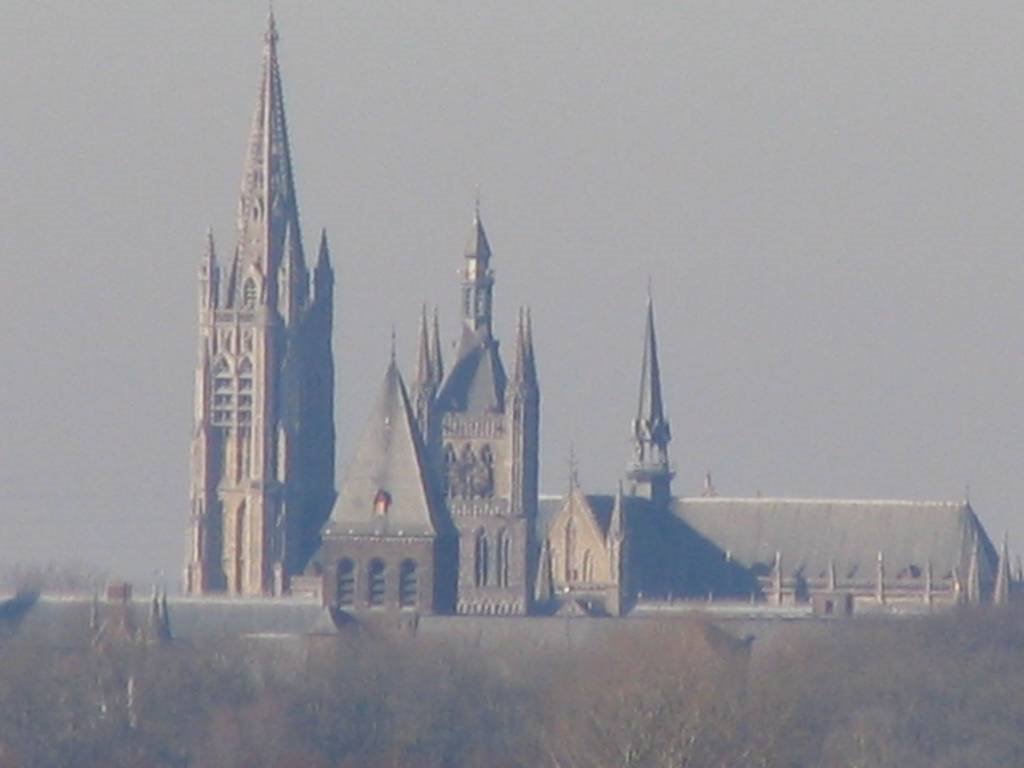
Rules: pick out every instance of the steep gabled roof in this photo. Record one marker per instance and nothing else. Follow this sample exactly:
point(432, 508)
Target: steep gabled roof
point(388, 489)
point(589, 508)
point(812, 534)
point(476, 382)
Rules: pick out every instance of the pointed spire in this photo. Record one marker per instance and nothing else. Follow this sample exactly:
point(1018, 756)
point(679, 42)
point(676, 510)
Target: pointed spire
point(929, 584)
point(323, 274)
point(519, 364)
point(477, 281)
point(973, 578)
point(267, 201)
point(531, 361)
point(650, 470)
point(424, 364)
point(1001, 596)
point(650, 425)
point(437, 362)
point(477, 246)
point(831, 575)
point(209, 275)
point(394, 356)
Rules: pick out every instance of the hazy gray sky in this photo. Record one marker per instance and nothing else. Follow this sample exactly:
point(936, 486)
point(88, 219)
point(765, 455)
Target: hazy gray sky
point(827, 196)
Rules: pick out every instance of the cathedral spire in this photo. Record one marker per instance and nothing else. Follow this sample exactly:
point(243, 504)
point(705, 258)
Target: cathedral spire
point(267, 204)
point(650, 471)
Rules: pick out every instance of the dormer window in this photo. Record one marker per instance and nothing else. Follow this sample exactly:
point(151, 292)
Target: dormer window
point(381, 503)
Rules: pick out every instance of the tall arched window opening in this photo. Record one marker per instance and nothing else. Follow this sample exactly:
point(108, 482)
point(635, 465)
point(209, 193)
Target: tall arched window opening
point(502, 557)
point(571, 573)
point(408, 586)
point(480, 558)
point(376, 584)
point(346, 583)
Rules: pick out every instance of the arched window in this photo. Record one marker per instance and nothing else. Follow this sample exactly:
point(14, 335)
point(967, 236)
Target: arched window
point(408, 586)
point(571, 574)
point(480, 557)
point(346, 583)
point(502, 556)
point(376, 584)
point(588, 566)
point(249, 293)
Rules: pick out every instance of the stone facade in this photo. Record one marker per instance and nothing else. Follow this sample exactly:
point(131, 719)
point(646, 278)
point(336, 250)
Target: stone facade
point(440, 510)
point(262, 477)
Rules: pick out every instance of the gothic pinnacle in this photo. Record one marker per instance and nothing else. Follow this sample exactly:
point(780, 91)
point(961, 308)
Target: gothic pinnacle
point(437, 363)
point(424, 364)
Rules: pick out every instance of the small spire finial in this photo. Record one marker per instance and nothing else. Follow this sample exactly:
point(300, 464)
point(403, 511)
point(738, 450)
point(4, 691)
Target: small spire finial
point(271, 34)
point(393, 356)
point(476, 203)
point(650, 289)
point(574, 478)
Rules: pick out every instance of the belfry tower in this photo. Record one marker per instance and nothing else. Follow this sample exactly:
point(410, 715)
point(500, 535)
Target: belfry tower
point(262, 478)
point(482, 429)
point(649, 474)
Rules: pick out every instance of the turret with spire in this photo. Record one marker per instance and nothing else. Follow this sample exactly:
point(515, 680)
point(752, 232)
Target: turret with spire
point(477, 280)
point(649, 473)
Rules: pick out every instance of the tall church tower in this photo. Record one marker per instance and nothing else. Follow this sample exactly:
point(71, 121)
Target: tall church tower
point(649, 474)
point(262, 481)
point(483, 432)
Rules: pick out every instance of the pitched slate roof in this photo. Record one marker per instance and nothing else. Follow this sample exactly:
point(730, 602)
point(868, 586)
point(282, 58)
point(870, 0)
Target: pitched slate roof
point(476, 382)
point(388, 489)
point(812, 533)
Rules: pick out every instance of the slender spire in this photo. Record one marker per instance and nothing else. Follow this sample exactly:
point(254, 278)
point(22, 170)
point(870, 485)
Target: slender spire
point(424, 365)
point(519, 365)
point(650, 471)
point(477, 280)
point(267, 201)
point(831, 575)
point(650, 428)
point(437, 362)
point(531, 360)
point(209, 275)
point(1001, 596)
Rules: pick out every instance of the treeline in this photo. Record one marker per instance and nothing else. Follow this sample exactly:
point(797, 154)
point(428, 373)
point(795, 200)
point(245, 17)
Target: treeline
point(936, 692)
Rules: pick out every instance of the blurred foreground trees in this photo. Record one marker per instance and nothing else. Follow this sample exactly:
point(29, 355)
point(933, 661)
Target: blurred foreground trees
point(937, 692)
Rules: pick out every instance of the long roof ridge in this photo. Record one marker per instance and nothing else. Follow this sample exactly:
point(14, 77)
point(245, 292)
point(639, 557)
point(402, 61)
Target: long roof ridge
point(953, 503)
